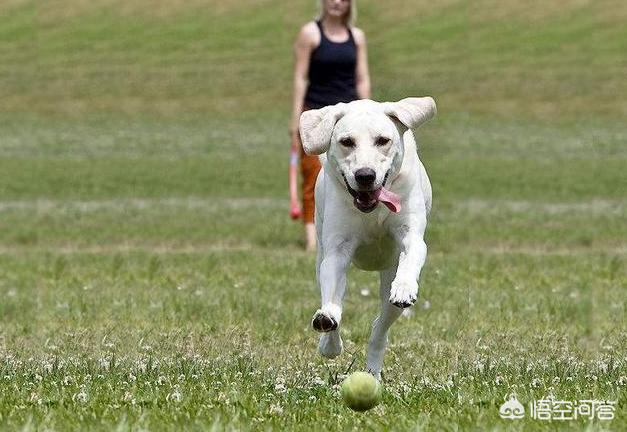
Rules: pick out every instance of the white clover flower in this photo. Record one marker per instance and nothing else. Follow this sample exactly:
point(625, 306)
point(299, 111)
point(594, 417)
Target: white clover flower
point(536, 382)
point(81, 396)
point(622, 380)
point(318, 381)
point(276, 409)
point(223, 398)
point(104, 363)
point(35, 399)
point(175, 396)
point(128, 398)
point(67, 380)
point(161, 380)
point(498, 380)
point(479, 366)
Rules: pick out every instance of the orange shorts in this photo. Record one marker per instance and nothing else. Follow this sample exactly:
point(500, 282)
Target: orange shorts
point(310, 167)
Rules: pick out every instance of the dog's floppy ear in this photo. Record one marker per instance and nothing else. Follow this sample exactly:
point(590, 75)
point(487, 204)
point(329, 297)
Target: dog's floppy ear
point(316, 127)
point(411, 112)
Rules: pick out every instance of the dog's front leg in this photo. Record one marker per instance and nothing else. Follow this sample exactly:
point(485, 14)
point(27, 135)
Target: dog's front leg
point(336, 255)
point(413, 253)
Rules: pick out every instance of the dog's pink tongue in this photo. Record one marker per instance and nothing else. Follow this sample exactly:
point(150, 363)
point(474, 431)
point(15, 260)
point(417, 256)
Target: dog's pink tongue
point(390, 199)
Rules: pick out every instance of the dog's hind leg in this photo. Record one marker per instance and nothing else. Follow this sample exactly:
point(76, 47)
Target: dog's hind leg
point(331, 345)
point(379, 336)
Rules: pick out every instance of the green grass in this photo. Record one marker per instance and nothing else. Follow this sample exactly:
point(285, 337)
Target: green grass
point(151, 279)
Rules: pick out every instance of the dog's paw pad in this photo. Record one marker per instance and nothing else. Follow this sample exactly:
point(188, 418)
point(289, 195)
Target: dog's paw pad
point(403, 304)
point(403, 295)
point(323, 323)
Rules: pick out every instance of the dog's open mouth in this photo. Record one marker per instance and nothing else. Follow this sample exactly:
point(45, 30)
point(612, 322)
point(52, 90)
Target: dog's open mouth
point(366, 201)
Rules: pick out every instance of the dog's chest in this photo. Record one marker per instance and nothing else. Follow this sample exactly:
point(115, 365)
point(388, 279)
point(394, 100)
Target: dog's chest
point(377, 249)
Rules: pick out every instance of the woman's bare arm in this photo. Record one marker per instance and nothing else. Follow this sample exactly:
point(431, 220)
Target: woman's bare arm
point(304, 45)
point(362, 74)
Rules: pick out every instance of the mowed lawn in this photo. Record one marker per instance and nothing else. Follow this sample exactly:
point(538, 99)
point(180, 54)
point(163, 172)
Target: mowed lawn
point(150, 276)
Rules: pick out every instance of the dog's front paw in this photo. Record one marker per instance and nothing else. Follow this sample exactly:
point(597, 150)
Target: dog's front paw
point(323, 322)
point(403, 294)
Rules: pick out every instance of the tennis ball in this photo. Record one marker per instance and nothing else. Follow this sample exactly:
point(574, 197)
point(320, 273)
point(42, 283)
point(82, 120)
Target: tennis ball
point(361, 391)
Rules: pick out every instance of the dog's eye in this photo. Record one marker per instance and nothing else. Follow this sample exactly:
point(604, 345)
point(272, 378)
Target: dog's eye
point(347, 142)
point(381, 141)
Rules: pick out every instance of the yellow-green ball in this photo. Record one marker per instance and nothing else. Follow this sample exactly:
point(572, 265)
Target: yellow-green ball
point(361, 391)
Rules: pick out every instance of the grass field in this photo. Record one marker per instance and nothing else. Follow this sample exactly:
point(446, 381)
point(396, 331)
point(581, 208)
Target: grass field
point(150, 276)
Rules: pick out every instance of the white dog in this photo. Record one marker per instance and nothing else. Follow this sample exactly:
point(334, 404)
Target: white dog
point(371, 158)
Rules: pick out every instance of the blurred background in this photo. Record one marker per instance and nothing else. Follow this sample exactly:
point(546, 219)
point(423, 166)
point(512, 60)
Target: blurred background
point(113, 78)
point(173, 58)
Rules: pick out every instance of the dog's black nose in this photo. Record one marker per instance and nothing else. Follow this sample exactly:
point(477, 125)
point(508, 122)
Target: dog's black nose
point(365, 176)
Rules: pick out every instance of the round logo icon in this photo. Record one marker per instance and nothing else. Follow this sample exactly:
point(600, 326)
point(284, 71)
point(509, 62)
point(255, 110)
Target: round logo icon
point(512, 409)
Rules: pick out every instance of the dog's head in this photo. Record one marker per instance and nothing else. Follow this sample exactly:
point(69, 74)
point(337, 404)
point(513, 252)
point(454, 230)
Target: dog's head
point(364, 143)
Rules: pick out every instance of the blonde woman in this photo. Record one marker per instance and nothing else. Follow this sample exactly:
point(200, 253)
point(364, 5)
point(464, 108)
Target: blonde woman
point(331, 66)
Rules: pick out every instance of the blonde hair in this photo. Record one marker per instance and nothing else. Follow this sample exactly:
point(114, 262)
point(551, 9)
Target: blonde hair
point(349, 18)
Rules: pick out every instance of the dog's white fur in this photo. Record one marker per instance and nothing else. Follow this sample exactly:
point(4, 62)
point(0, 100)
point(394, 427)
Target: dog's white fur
point(391, 243)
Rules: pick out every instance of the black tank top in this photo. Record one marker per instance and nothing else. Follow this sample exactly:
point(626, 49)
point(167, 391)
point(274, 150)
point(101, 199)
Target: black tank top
point(332, 72)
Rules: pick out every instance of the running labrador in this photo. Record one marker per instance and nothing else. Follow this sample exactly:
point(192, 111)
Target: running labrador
point(371, 159)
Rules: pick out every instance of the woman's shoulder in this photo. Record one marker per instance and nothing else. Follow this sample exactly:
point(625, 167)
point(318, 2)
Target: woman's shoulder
point(310, 33)
point(359, 35)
